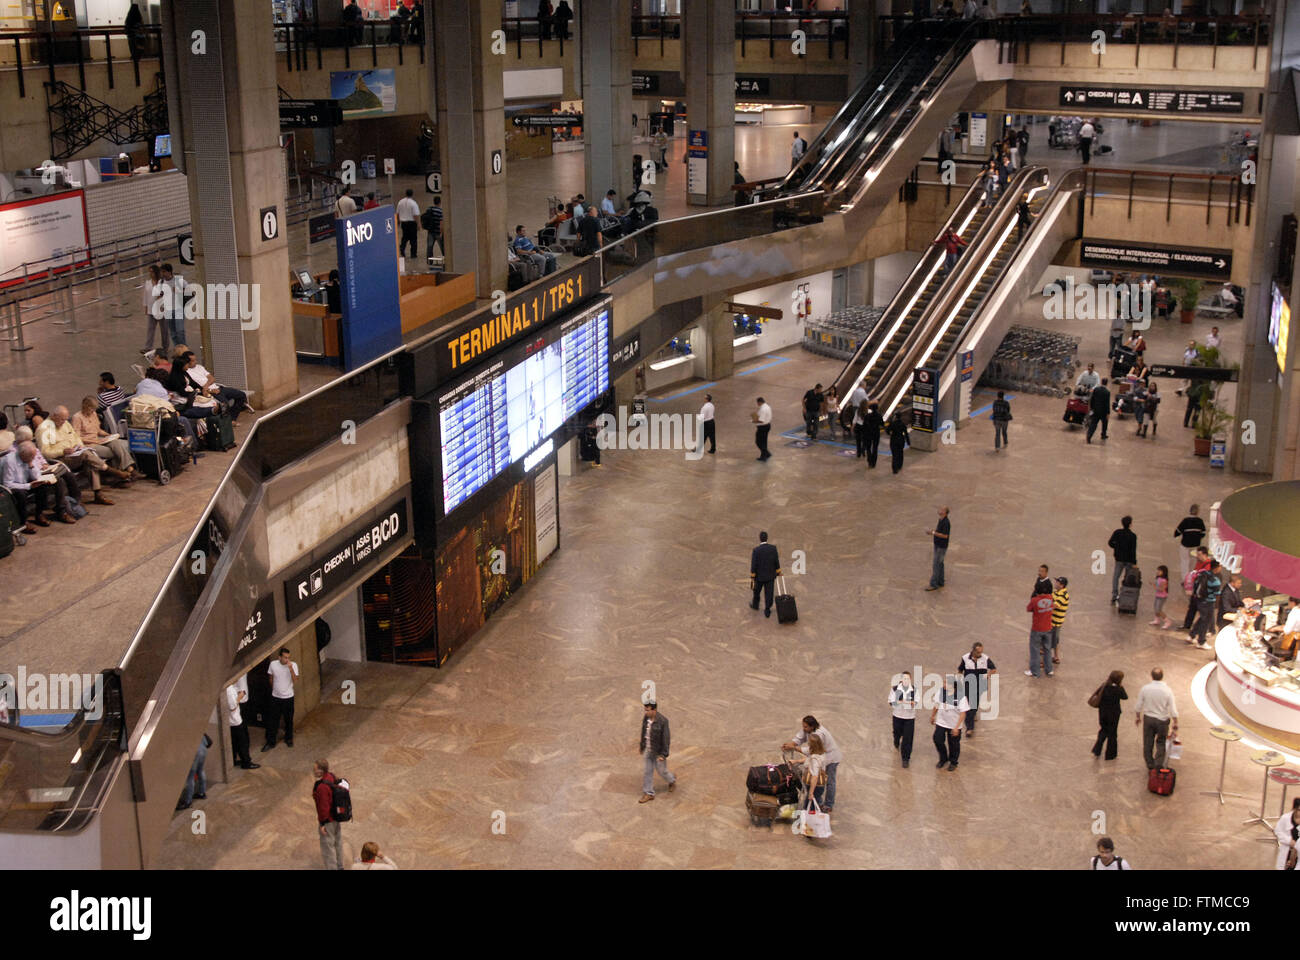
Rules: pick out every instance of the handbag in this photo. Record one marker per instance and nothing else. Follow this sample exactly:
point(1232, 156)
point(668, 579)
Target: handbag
point(1175, 751)
point(74, 507)
point(1095, 700)
point(812, 823)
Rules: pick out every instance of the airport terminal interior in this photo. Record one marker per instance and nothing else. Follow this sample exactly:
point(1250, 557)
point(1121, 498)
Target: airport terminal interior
point(617, 434)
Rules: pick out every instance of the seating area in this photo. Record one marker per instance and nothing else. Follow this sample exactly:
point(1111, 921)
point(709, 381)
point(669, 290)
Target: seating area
point(57, 462)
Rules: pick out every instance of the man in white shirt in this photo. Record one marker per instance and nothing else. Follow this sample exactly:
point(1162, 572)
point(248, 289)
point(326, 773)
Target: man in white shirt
point(1106, 859)
point(707, 421)
point(408, 220)
point(236, 694)
point(233, 400)
point(797, 148)
point(1086, 134)
point(1089, 380)
point(174, 304)
point(1155, 710)
point(902, 704)
point(1213, 340)
point(947, 717)
point(1228, 296)
point(762, 427)
point(283, 671)
point(344, 206)
point(833, 755)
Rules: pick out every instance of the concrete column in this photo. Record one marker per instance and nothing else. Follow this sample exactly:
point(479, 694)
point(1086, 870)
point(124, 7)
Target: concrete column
point(606, 44)
point(709, 60)
point(862, 40)
point(470, 102)
point(235, 170)
point(721, 333)
point(1273, 411)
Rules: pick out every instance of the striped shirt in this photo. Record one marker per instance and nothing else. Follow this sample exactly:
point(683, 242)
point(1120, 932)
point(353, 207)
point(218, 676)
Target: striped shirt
point(1060, 604)
point(435, 216)
point(109, 398)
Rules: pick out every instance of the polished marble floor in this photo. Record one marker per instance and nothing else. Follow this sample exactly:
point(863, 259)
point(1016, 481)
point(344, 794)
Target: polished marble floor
point(532, 727)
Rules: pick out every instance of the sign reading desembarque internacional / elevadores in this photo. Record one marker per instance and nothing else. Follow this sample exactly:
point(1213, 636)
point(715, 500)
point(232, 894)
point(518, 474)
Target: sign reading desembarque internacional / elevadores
point(1156, 258)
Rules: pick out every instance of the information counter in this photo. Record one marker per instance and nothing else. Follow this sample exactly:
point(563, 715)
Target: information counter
point(1260, 691)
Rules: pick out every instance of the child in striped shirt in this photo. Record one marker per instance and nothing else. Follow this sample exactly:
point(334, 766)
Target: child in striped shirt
point(1060, 604)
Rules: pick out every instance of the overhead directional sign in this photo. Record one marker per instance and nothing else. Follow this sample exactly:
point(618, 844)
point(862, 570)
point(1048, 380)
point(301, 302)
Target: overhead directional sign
point(335, 567)
point(1178, 371)
point(305, 114)
point(754, 86)
point(1148, 99)
point(547, 120)
point(1156, 258)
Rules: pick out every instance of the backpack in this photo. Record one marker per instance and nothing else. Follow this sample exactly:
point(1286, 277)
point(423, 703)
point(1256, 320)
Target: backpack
point(427, 220)
point(340, 800)
point(1202, 590)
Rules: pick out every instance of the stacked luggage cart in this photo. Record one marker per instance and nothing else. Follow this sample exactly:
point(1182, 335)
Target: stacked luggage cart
point(840, 334)
point(1030, 360)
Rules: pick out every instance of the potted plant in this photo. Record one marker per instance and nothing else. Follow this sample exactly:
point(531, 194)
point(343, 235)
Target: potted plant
point(1191, 295)
point(1210, 420)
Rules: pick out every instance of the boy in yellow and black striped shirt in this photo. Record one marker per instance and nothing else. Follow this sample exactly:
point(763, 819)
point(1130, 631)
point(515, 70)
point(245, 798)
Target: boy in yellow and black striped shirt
point(1060, 604)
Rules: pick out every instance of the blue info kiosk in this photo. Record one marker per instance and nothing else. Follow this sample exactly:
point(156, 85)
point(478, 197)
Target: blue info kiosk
point(369, 291)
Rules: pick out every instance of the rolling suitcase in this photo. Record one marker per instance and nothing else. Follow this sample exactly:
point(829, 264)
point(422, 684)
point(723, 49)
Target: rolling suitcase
point(786, 610)
point(1160, 781)
point(762, 808)
point(772, 779)
point(1076, 410)
point(1128, 599)
point(221, 432)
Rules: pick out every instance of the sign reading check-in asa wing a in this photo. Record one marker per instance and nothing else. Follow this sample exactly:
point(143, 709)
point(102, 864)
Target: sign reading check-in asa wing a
point(1152, 100)
point(334, 567)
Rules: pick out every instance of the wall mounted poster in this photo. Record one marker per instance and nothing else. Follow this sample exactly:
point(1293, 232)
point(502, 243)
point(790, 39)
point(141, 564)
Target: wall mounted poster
point(364, 93)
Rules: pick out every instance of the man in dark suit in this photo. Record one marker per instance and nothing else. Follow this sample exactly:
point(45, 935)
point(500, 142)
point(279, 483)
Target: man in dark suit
point(1099, 410)
point(764, 568)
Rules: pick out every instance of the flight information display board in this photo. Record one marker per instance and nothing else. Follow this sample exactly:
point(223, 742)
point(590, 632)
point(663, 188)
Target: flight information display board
point(494, 419)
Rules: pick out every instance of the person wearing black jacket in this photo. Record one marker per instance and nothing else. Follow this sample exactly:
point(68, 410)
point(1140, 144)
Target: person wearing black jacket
point(872, 424)
point(1099, 410)
point(764, 568)
point(1190, 532)
point(1124, 547)
point(1108, 710)
point(897, 439)
point(1230, 599)
point(812, 410)
point(653, 745)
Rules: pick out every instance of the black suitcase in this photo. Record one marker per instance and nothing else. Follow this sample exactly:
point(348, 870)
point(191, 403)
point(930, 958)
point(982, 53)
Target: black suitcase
point(1128, 599)
point(221, 432)
point(786, 610)
point(772, 779)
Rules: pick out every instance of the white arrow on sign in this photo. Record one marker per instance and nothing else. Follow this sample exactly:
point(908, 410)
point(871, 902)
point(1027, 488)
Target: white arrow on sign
point(1220, 263)
point(1068, 96)
point(302, 591)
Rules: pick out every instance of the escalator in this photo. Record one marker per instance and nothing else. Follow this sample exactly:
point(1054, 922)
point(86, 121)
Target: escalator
point(994, 277)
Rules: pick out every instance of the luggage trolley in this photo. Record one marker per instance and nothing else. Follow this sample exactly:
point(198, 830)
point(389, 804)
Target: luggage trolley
point(158, 458)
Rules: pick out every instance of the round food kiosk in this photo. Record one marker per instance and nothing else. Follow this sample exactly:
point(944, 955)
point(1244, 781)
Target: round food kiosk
point(1254, 681)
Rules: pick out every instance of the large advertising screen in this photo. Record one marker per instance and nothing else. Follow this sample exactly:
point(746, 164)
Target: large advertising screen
point(494, 420)
point(364, 93)
point(1279, 327)
point(45, 233)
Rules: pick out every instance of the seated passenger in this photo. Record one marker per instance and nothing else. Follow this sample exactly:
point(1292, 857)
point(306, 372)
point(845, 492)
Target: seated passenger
point(58, 440)
point(231, 399)
point(194, 403)
point(153, 385)
point(32, 487)
point(34, 414)
point(6, 435)
point(109, 393)
point(115, 452)
point(525, 247)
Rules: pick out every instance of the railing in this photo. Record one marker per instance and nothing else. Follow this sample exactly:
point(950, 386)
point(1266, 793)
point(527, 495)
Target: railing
point(822, 30)
point(1212, 189)
point(533, 30)
point(298, 40)
point(53, 48)
point(1025, 33)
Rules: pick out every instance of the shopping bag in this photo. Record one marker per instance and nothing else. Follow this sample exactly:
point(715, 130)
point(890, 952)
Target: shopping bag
point(786, 812)
point(1175, 751)
point(816, 824)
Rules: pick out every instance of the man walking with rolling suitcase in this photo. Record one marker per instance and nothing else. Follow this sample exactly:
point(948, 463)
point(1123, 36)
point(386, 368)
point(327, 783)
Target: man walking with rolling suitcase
point(1124, 547)
point(1155, 710)
point(654, 742)
point(764, 568)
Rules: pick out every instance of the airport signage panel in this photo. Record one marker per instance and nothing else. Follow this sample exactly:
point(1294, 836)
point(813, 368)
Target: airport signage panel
point(1156, 258)
point(1151, 100)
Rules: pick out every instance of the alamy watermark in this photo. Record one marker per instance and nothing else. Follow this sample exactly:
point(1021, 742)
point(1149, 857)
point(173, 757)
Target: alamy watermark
point(215, 301)
point(1094, 301)
point(650, 431)
point(52, 691)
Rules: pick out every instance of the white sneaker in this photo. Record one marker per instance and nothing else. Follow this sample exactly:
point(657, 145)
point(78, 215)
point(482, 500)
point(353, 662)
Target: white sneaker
point(1029, 673)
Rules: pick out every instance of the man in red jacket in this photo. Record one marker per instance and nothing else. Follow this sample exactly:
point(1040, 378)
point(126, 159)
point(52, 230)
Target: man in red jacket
point(1040, 631)
point(951, 243)
point(331, 831)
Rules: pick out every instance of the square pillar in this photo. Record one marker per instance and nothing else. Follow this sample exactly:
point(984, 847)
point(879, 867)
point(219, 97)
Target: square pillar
point(606, 45)
point(709, 59)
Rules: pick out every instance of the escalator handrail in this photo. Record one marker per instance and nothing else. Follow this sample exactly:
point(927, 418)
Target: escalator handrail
point(901, 302)
point(902, 361)
point(946, 311)
point(1071, 181)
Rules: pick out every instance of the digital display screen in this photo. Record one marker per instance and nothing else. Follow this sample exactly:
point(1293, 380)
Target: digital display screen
point(162, 145)
point(495, 419)
point(1279, 327)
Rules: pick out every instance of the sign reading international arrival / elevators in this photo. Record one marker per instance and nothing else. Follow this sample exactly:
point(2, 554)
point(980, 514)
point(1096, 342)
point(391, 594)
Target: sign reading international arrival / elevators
point(1156, 258)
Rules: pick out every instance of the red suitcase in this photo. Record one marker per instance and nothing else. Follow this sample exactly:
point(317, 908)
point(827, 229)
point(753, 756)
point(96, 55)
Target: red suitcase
point(1161, 781)
point(1076, 410)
